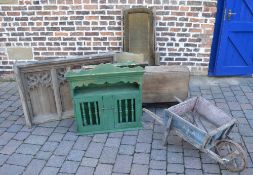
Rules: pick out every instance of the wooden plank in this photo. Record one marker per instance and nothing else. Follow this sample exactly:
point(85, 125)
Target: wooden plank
point(162, 83)
point(23, 99)
point(57, 97)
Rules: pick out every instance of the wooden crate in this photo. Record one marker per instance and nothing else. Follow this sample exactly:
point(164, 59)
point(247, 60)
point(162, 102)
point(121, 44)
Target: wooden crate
point(162, 83)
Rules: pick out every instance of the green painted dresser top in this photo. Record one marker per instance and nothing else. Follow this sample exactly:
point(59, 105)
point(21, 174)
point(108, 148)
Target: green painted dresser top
point(105, 73)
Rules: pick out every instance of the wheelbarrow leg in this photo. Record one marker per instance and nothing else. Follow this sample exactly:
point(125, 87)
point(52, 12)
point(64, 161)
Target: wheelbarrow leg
point(167, 131)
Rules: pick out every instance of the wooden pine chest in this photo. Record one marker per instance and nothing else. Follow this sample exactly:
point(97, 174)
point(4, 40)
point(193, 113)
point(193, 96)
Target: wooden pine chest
point(162, 83)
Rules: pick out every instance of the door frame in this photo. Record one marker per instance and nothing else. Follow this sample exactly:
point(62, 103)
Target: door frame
point(216, 37)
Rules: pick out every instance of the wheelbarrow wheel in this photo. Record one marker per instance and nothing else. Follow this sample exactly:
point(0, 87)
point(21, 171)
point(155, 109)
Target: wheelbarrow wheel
point(232, 154)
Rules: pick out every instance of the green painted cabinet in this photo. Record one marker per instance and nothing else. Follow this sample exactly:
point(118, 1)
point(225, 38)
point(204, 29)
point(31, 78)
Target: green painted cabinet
point(107, 98)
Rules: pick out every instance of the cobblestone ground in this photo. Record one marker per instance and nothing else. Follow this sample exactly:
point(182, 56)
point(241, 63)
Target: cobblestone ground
point(54, 148)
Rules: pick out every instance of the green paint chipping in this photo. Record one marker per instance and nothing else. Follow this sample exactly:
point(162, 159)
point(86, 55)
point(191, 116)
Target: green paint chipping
point(106, 98)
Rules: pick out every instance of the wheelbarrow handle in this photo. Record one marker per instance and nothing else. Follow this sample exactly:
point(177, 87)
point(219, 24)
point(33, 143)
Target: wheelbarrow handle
point(153, 115)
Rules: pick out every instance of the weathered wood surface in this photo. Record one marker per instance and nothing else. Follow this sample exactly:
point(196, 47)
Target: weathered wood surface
point(127, 56)
point(44, 92)
point(162, 83)
point(139, 34)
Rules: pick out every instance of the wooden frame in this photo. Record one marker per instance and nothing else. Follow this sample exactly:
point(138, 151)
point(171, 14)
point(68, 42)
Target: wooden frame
point(154, 58)
point(43, 89)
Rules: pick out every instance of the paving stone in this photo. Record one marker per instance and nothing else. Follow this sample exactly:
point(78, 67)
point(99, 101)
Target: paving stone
point(123, 164)
point(206, 159)
point(100, 138)
point(174, 148)
point(248, 114)
point(139, 169)
point(174, 157)
point(6, 123)
point(143, 147)
point(226, 172)
point(244, 130)
point(131, 133)
point(56, 161)
point(34, 167)
point(11, 169)
point(60, 129)
point(27, 129)
point(158, 128)
point(211, 168)
point(10, 147)
point(193, 171)
point(174, 140)
point(19, 159)
point(158, 165)
point(69, 167)
point(192, 162)
point(63, 148)
point(52, 124)
point(85, 171)
point(70, 136)
point(234, 99)
point(175, 168)
point(113, 142)
point(108, 155)
point(14, 128)
point(247, 171)
point(42, 131)
point(82, 143)
point(3, 158)
point(145, 136)
point(116, 134)
point(43, 155)
point(191, 153)
point(103, 169)
point(66, 122)
point(6, 137)
point(89, 162)
point(35, 139)
point(141, 158)
point(75, 155)
point(129, 140)
point(49, 146)
point(21, 136)
point(56, 137)
point(158, 144)
point(158, 154)
point(157, 172)
point(49, 171)
point(126, 149)
point(94, 150)
point(158, 136)
point(2, 130)
point(28, 149)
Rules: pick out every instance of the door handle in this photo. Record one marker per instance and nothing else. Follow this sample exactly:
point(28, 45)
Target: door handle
point(230, 14)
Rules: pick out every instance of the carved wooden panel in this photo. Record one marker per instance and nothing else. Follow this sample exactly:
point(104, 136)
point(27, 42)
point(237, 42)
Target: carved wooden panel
point(66, 100)
point(43, 90)
point(41, 94)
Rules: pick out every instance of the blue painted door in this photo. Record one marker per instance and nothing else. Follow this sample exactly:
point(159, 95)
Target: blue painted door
point(235, 45)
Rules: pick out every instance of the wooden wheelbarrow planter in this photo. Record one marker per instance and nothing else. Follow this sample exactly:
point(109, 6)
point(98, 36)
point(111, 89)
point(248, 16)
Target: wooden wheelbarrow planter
point(204, 126)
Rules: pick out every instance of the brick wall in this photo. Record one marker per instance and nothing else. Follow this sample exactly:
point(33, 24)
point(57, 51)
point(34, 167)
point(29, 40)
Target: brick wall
point(56, 28)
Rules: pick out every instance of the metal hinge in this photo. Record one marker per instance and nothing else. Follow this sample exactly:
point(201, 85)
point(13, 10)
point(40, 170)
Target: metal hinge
point(225, 14)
